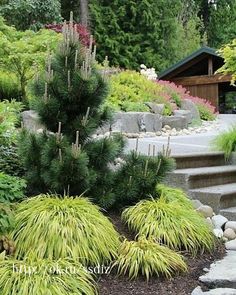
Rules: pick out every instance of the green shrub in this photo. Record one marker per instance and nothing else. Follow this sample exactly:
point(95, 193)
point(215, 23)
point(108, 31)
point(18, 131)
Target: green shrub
point(9, 117)
point(31, 276)
point(130, 90)
point(146, 257)
point(9, 87)
point(54, 228)
point(11, 188)
point(6, 218)
point(10, 162)
point(31, 14)
point(226, 142)
point(138, 177)
point(170, 223)
point(206, 114)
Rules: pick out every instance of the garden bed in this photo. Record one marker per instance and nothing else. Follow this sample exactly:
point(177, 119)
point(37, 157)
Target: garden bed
point(182, 284)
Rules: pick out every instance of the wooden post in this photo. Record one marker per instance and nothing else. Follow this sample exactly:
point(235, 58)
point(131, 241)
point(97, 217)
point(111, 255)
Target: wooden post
point(210, 66)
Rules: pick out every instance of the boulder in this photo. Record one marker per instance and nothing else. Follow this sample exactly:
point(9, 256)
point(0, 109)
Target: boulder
point(188, 105)
point(31, 121)
point(155, 108)
point(184, 113)
point(135, 122)
point(219, 221)
point(175, 122)
point(205, 210)
point(230, 234)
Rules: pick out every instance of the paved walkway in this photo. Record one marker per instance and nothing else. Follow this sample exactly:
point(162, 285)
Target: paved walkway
point(185, 143)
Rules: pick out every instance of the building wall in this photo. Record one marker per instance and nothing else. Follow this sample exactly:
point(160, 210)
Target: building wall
point(208, 91)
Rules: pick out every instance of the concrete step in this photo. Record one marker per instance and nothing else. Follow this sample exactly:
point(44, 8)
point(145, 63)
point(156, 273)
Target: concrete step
point(202, 177)
point(197, 160)
point(218, 197)
point(229, 213)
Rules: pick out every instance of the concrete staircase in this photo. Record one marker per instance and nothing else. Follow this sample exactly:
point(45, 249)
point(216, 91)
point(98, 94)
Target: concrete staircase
point(208, 178)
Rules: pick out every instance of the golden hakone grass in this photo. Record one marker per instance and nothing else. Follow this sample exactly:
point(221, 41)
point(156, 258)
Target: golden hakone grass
point(54, 228)
point(148, 258)
point(41, 277)
point(175, 225)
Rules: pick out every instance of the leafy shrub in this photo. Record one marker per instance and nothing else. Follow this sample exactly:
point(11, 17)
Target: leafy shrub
point(9, 87)
point(54, 228)
point(9, 117)
point(138, 177)
point(31, 14)
point(6, 218)
point(130, 90)
point(226, 142)
point(146, 257)
point(35, 276)
point(10, 162)
point(178, 93)
point(170, 223)
point(11, 188)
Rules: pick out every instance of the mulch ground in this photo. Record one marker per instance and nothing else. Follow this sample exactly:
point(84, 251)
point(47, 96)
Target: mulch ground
point(182, 284)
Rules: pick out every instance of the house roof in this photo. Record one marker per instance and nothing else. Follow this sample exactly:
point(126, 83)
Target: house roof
point(202, 50)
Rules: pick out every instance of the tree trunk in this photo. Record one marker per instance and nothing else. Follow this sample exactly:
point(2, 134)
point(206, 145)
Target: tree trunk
point(84, 17)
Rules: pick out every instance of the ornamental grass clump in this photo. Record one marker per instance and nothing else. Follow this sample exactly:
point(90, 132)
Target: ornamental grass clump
point(41, 277)
point(226, 142)
point(170, 223)
point(53, 227)
point(148, 258)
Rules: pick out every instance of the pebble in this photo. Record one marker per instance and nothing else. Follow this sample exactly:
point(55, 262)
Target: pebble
point(231, 224)
point(219, 221)
point(230, 234)
point(218, 232)
point(205, 210)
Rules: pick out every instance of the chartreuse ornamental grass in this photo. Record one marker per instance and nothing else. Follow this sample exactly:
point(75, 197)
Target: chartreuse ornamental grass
point(226, 142)
point(170, 223)
point(148, 258)
point(53, 227)
point(45, 277)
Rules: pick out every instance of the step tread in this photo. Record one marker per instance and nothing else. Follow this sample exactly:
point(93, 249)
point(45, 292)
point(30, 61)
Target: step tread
point(230, 209)
point(206, 170)
point(197, 155)
point(223, 189)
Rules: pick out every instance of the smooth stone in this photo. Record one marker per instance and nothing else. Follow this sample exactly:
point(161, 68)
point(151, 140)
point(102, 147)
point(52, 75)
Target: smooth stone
point(219, 221)
point(231, 224)
point(231, 245)
point(205, 210)
point(218, 233)
point(167, 127)
point(230, 234)
point(209, 221)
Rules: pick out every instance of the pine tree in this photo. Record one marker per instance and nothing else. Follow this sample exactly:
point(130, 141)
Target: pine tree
point(69, 99)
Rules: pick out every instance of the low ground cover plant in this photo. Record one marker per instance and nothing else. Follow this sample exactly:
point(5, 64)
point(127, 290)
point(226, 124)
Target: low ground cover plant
point(148, 258)
point(171, 223)
point(226, 142)
point(37, 276)
point(59, 227)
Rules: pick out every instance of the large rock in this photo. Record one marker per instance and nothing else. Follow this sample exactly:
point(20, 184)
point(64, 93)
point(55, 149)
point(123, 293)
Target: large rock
point(231, 224)
point(135, 122)
point(184, 113)
point(188, 105)
point(175, 122)
point(155, 108)
point(31, 121)
point(205, 210)
point(222, 273)
point(230, 234)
